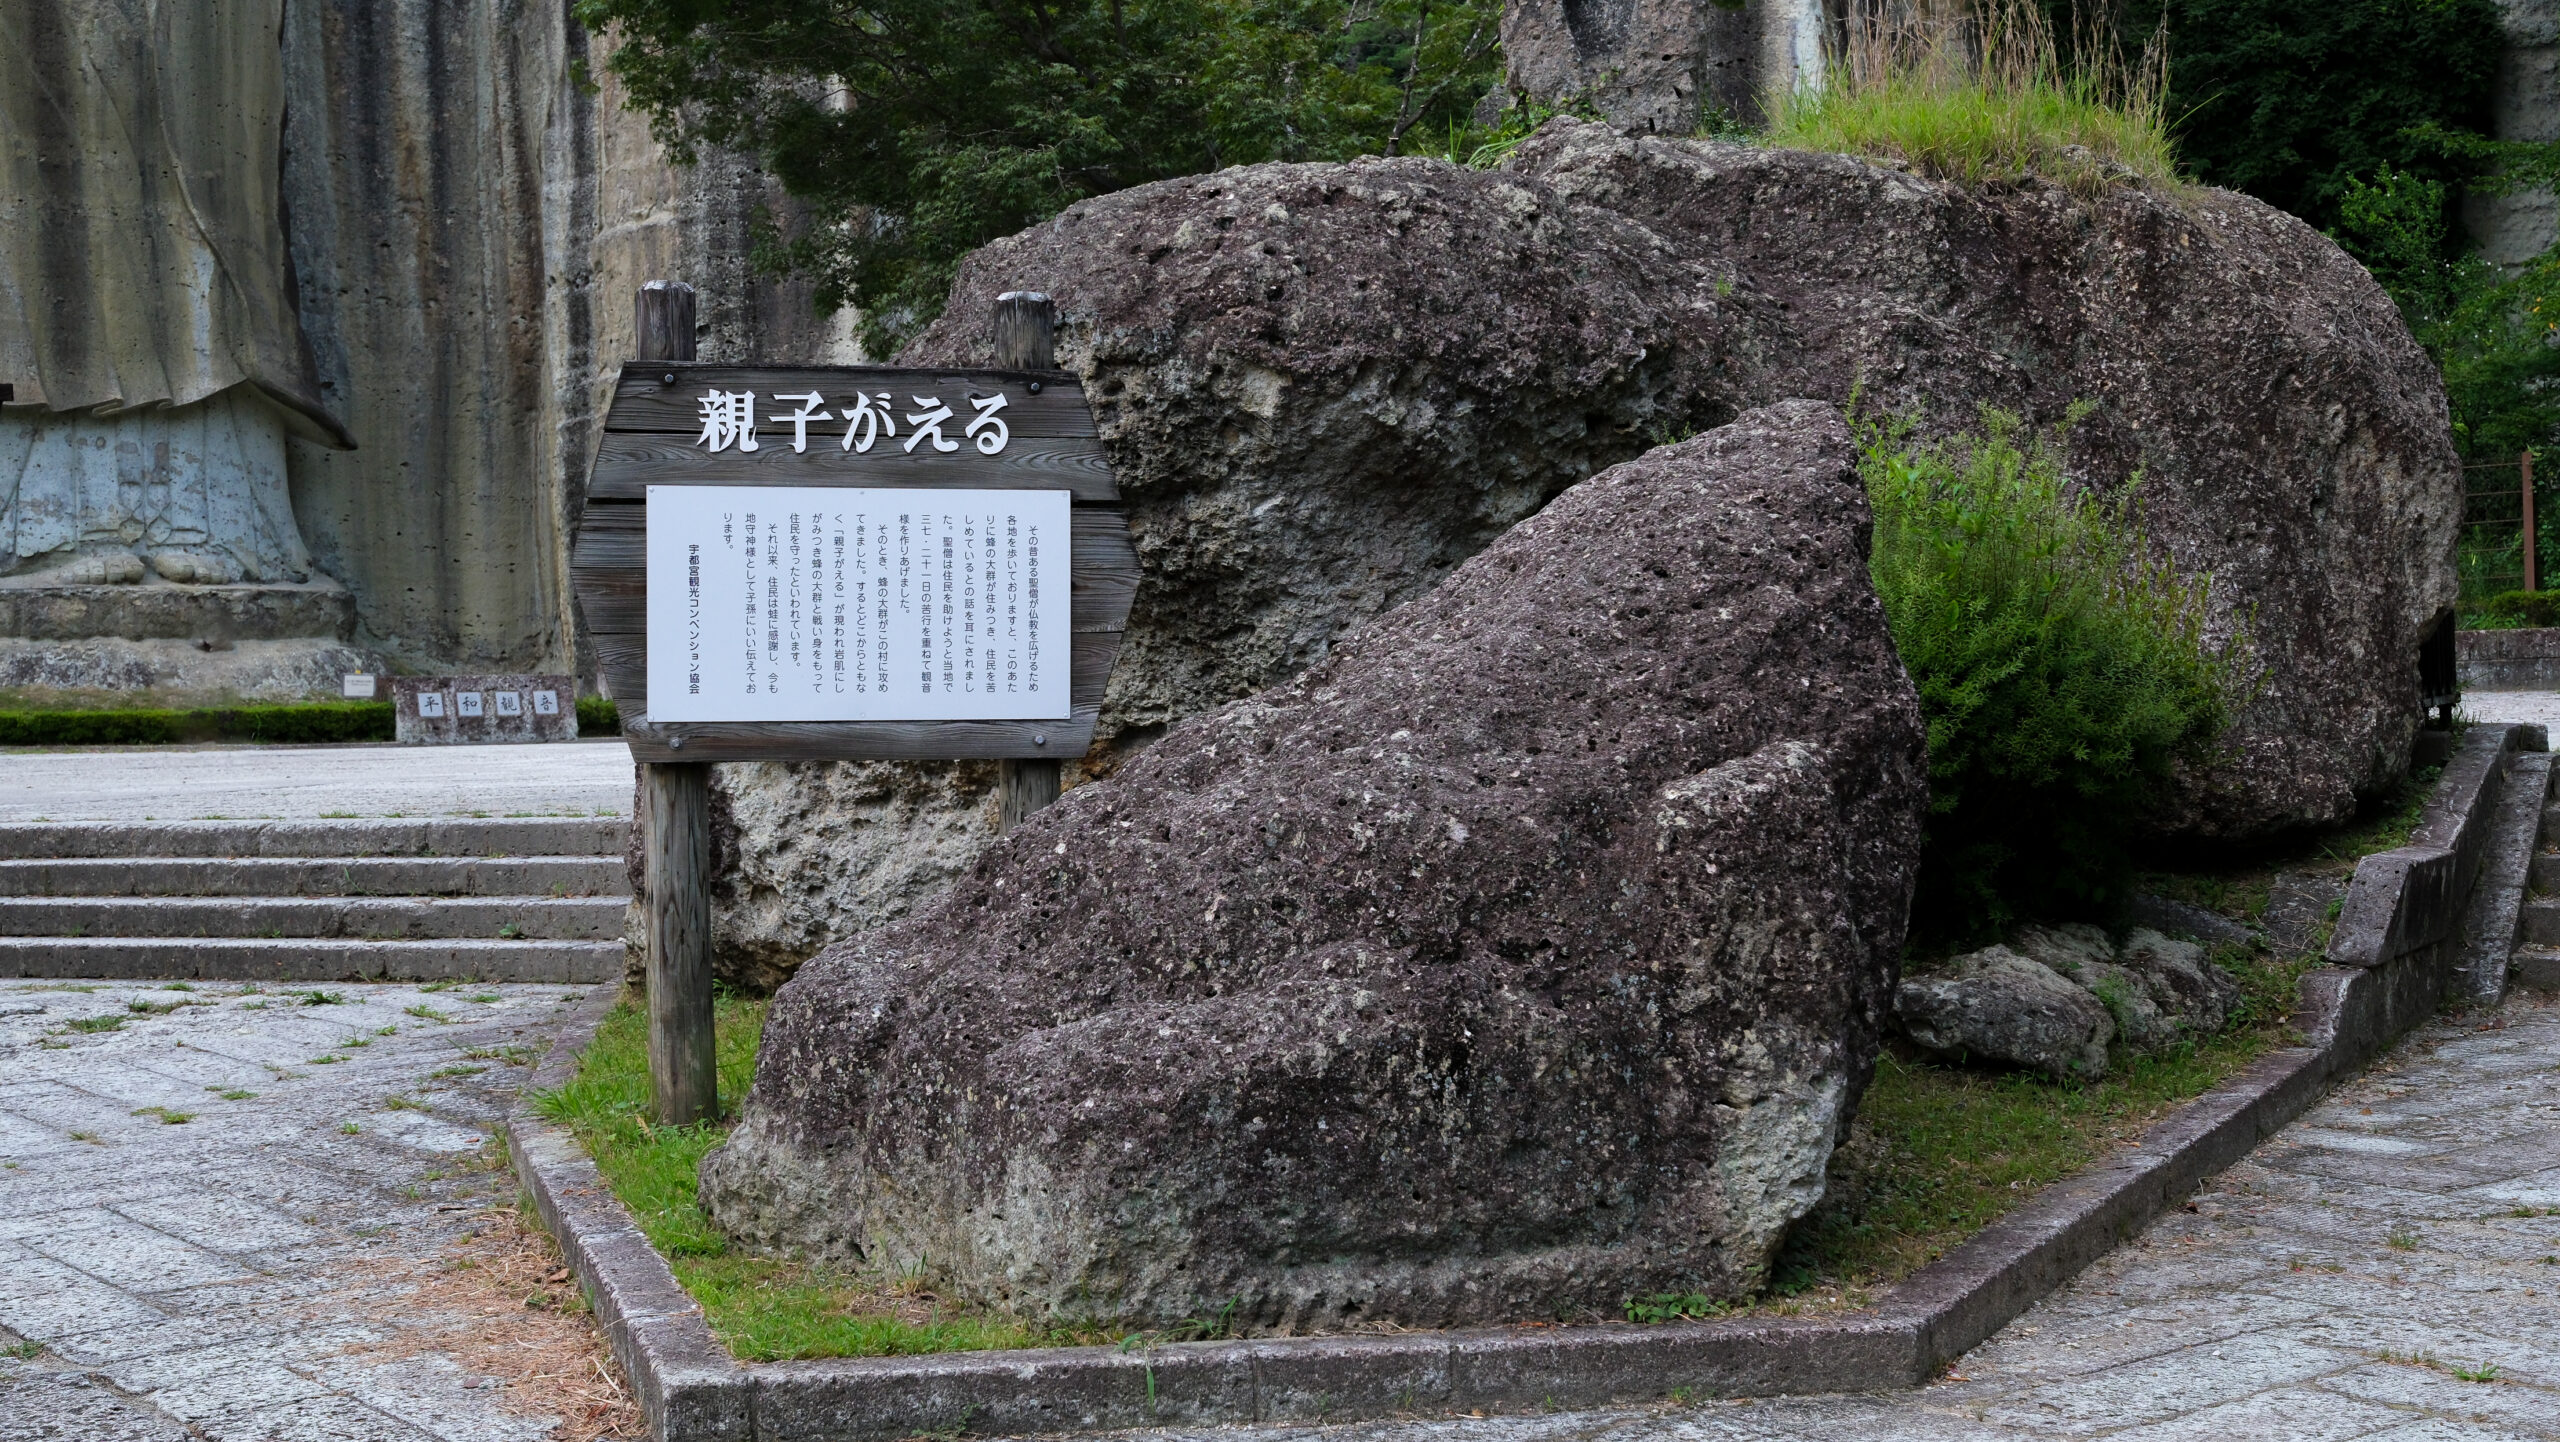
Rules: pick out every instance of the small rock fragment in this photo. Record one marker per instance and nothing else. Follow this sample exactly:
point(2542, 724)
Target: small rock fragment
point(1995, 1005)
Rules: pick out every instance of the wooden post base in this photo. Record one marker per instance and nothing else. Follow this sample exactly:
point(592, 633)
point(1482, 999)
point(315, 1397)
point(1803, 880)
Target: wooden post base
point(684, 1074)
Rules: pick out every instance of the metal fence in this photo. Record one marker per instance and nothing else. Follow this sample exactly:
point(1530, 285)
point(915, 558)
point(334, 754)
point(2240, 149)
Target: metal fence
point(2500, 549)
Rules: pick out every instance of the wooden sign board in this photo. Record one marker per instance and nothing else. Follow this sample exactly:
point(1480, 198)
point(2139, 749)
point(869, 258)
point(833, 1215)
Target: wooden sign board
point(837, 609)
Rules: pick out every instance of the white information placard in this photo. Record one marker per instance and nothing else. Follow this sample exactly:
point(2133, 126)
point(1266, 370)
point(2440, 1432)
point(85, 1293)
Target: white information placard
point(796, 603)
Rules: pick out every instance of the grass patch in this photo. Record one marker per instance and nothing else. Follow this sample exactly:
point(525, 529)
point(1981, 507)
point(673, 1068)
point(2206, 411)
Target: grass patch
point(1940, 1151)
point(1989, 102)
point(761, 1308)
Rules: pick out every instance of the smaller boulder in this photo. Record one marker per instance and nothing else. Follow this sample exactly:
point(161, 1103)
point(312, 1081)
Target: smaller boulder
point(1997, 1005)
point(2195, 995)
point(2082, 955)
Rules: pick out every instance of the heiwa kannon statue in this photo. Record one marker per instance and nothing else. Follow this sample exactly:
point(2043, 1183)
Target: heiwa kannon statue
point(150, 335)
point(148, 323)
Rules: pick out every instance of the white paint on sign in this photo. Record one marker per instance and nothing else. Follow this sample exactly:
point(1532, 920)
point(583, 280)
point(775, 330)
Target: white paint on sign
point(787, 603)
point(729, 420)
point(356, 685)
point(510, 703)
point(431, 703)
point(546, 703)
point(466, 703)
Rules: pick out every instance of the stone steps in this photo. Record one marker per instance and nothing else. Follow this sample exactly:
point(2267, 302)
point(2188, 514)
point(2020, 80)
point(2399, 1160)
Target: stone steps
point(397, 836)
point(304, 959)
point(457, 898)
point(317, 876)
point(357, 918)
point(2535, 962)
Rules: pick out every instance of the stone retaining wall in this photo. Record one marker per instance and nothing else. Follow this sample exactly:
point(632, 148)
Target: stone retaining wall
point(2523, 660)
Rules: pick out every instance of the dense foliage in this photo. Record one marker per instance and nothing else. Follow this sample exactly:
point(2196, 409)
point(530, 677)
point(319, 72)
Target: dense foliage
point(2063, 670)
point(2512, 611)
point(2293, 101)
point(917, 130)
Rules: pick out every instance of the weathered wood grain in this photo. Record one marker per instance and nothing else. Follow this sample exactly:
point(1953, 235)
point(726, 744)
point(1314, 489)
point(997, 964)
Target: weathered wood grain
point(650, 439)
point(628, 463)
point(644, 401)
point(1026, 327)
point(684, 1075)
point(863, 740)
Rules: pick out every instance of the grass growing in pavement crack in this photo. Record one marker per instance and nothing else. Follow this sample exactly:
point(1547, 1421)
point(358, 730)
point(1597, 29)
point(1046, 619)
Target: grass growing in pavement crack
point(424, 1012)
point(761, 1308)
point(167, 1117)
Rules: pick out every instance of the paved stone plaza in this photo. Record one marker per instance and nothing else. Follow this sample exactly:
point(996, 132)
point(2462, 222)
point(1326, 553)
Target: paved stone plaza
point(2371, 1273)
point(568, 778)
point(210, 1228)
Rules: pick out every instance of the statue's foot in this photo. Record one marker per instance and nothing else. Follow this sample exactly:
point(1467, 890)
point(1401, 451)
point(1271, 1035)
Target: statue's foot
point(105, 568)
point(197, 568)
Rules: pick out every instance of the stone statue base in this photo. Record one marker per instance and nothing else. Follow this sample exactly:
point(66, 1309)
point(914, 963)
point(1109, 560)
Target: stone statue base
point(160, 644)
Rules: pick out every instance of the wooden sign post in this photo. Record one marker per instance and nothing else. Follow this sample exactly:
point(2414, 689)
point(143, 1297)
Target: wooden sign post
point(837, 563)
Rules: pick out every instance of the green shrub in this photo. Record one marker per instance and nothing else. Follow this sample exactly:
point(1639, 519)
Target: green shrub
point(914, 131)
point(2293, 100)
point(598, 717)
point(313, 723)
point(2062, 669)
point(1992, 104)
point(2512, 611)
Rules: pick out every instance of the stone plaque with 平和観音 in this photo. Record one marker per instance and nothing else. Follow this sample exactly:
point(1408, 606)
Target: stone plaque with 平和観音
point(852, 563)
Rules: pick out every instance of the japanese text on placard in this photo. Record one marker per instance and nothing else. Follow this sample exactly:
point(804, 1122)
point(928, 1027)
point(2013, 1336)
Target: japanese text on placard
point(775, 603)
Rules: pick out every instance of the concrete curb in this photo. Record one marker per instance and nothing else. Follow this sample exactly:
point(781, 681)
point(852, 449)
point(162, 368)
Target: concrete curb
point(2397, 952)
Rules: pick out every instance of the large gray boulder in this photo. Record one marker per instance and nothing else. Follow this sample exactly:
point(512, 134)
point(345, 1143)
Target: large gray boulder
point(2291, 438)
point(1526, 953)
point(1320, 386)
point(1324, 385)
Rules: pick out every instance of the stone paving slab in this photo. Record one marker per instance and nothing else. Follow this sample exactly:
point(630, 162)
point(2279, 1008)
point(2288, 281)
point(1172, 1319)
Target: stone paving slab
point(249, 1274)
point(2331, 1286)
point(190, 783)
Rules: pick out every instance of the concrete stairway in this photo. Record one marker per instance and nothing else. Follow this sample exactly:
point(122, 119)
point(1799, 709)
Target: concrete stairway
point(2536, 961)
point(515, 899)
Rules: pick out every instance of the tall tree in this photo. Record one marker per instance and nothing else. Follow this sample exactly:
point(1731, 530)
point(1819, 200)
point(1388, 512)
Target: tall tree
point(919, 129)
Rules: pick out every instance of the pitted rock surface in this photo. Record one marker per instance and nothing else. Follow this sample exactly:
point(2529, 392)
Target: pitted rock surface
point(1523, 955)
point(1321, 386)
point(2288, 432)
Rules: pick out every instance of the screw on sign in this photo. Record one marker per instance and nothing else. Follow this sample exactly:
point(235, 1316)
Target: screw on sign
point(837, 562)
